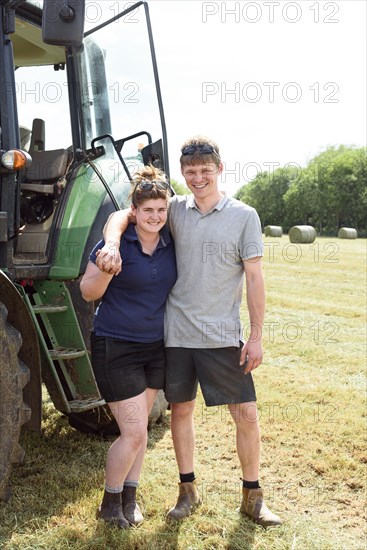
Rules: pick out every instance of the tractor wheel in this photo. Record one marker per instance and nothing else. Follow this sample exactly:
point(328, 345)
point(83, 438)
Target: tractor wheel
point(100, 421)
point(96, 421)
point(14, 375)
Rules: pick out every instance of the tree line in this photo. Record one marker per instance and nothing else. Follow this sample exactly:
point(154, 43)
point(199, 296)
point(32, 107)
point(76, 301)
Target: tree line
point(329, 193)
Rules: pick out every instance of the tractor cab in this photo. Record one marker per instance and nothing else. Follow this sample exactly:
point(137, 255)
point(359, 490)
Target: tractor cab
point(88, 115)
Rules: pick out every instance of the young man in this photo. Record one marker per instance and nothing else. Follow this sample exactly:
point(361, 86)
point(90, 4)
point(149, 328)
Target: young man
point(218, 242)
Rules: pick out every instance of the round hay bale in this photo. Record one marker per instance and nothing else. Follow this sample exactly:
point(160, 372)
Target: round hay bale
point(347, 233)
point(302, 234)
point(273, 231)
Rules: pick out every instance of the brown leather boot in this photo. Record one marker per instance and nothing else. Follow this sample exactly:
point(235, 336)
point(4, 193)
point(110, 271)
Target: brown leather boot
point(187, 501)
point(254, 507)
point(111, 510)
point(130, 508)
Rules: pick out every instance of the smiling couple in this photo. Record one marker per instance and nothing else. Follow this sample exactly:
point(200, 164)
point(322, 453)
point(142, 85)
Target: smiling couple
point(158, 328)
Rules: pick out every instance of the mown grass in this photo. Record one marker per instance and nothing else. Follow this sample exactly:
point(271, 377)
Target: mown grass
point(311, 396)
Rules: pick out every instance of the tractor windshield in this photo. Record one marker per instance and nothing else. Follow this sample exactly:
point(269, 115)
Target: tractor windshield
point(115, 90)
point(120, 90)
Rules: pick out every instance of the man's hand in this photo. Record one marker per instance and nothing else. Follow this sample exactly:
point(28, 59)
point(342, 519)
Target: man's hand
point(251, 355)
point(108, 258)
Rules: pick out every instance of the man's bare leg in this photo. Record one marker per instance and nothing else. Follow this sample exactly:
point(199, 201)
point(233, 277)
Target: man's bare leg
point(183, 437)
point(245, 416)
point(183, 434)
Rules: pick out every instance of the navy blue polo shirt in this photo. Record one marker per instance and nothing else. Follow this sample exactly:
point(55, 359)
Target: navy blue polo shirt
point(133, 305)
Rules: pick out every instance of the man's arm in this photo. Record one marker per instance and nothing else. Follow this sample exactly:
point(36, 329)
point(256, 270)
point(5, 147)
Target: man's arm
point(255, 288)
point(108, 258)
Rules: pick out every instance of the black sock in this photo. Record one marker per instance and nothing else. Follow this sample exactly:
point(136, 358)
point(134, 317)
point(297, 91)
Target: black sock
point(250, 484)
point(187, 478)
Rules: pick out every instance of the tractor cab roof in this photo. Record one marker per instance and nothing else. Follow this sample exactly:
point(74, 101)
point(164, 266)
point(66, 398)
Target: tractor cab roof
point(29, 49)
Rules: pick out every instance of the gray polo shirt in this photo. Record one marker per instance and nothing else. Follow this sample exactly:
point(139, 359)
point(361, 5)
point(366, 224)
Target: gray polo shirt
point(203, 307)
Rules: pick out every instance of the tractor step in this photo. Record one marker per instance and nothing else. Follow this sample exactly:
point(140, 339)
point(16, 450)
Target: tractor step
point(65, 356)
point(49, 309)
point(66, 353)
point(80, 405)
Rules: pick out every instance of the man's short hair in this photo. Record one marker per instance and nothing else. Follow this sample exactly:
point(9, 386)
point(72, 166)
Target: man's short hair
point(199, 150)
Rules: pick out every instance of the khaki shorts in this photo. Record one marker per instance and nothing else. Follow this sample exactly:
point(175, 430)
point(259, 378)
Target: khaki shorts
point(221, 377)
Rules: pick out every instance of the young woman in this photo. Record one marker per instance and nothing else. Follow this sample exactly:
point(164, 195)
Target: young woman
point(128, 355)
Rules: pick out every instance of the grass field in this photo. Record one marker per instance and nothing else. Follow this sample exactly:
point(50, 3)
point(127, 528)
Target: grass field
point(311, 395)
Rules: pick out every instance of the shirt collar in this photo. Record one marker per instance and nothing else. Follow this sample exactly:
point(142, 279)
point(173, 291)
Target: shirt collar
point(130, 235)
point(192, 204)
point(165, 237)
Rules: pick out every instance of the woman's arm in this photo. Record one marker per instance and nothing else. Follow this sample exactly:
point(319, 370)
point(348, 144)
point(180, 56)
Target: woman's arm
point(94, 283)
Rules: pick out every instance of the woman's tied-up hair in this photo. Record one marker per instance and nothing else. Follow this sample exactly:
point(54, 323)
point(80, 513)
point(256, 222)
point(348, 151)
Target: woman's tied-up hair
point(149, 183)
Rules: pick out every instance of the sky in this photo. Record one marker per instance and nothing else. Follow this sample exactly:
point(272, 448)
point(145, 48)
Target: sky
point(272, 82)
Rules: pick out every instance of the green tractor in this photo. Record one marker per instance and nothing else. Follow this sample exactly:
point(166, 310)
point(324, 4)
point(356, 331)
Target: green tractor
point(80, 112)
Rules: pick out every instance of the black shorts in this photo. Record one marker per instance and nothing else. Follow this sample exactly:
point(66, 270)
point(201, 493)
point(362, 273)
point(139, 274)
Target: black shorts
point(218, 370)
point(125, 369)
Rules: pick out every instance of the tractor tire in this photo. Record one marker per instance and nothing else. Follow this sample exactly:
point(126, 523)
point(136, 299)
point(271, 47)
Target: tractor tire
point(14, 375)
point(100, 421)
point(96, 421)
